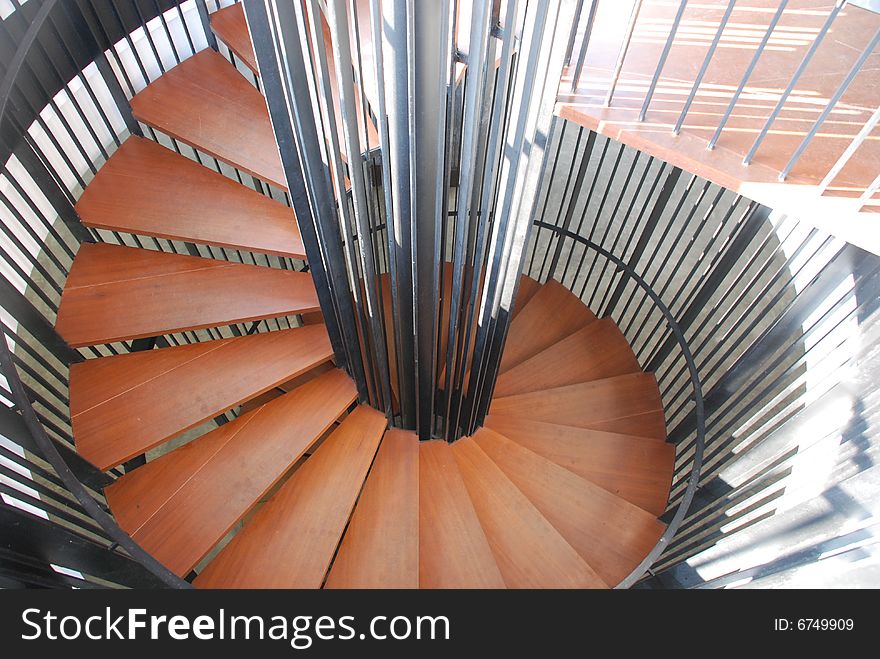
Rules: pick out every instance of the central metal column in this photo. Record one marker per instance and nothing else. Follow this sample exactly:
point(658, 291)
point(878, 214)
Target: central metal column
point(416, 50)
point(416, 242)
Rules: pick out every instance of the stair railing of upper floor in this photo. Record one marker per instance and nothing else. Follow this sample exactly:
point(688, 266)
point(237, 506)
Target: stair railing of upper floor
point(769, 111)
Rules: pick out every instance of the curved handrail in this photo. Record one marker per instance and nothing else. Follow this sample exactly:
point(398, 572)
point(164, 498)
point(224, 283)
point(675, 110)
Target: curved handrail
point(699, 410)
point(7, 367)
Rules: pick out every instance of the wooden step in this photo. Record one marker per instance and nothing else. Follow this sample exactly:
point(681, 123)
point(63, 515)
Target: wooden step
point(290, 385)
point(628, 404)
point(180, 505)
point(550, 315)
point(291, 540)
point(596, 351)
point(611, 534)
point(634, 468)
point(116, 293)
point(231, 28)
point(529, 551)
point(453, 550)
point(527, 289)
point(149, 190)
point(380, 548)
point(121, 406)
point(206, 103)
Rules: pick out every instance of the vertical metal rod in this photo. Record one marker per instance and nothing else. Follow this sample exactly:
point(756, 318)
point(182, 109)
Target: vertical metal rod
point(576, 193)
point(294, 122)
point(470, 137)
point(870, 191)
point(850, 150)
point(579, 8)
point(495, 107)
point(395, 55)
point(747, 74)
point(384, 144)
point(662, 61)
point(585, 43)
point(794, 79)
point(540, 67)
point(844, 85)
point(337, 18)
point(206, 24)
point(621, 55)
point(713, 46)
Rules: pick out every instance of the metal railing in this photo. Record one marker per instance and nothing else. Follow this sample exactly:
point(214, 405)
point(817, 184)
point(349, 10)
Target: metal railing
point(712, 291)
point(578, 58)
point(674, 331)
point(68, 72)
point(778, 316)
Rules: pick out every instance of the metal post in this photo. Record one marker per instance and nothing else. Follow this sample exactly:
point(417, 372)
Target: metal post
point(539, 72)
point(285, 81)
point(585, 43)
point(662, 61)
point(748, 73)
point(704, 67)
point(621, 56)
point(794, 78)
point(844, 85)
point(850, 150)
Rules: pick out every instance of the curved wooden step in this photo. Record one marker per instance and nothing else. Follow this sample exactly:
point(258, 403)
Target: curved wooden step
point(596, 351)
point(116, 293)
point(231, 28)
point(179, 506)
point(611, 534)
point(527, 289)
point(628, 404)
point(550, 315)
point(529, 551)
point(291, 540)
point(633, 468)
point(380, 549)
point(149, 190)
point(453, 549)
point(121, 406)
point(206, 103)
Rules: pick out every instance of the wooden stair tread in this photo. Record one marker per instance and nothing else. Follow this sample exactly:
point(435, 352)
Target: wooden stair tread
point(550, 315)
point(596, 351)
point(529, 551)
point(149, 190)
point(380, 549)
point(630, 467)
point(453, 549)
point(611, 534)
point(231, 28)
point(178, 513)
point(291, 540)
point(206, 103)
point(527, 289)
point(620, 404)
point(123, 405)
point(116, 293)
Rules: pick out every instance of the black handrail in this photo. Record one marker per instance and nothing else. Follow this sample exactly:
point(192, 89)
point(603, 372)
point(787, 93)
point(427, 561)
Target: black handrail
point(699, 412)
point(10, 372)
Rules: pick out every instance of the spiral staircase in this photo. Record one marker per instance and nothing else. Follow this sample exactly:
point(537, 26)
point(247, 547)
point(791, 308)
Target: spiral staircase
point(562, 487)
